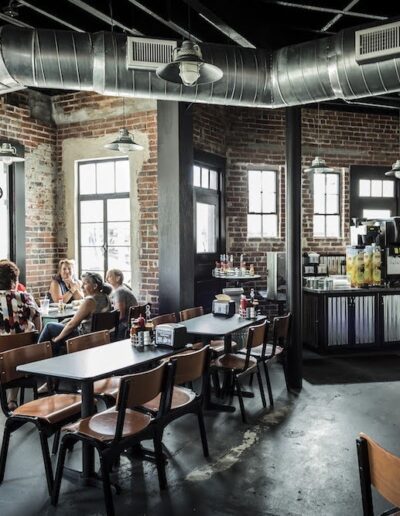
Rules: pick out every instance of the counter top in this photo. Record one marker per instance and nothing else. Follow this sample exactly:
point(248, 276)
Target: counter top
point(352, 290)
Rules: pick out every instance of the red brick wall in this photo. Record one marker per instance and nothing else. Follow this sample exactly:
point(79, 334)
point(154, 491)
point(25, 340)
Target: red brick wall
point(39, 138)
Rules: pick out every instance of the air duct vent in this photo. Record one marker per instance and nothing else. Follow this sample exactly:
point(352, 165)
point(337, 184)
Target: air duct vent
point(149, 54)
point(378, 43)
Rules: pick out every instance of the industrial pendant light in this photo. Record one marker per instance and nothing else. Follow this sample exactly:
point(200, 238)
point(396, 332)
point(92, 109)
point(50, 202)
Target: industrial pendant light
point(8, 154)
point(318, 164)
point(395, 171)
point(125, 141)
point(188, 66)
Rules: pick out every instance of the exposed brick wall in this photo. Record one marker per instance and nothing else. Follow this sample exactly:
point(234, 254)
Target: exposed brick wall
point(39, 138)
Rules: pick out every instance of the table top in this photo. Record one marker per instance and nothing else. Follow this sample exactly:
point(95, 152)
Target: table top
point(96, 363)
point(68, 312)
point(211, 325)
point(234, 277)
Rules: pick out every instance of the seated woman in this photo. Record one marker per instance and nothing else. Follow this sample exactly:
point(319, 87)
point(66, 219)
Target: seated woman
point(96, 300)
point(122, 298)
point(18, 311)
point(64, 284)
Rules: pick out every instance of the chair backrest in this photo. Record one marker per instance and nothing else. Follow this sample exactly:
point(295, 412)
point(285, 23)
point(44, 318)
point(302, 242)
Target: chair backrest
point(17, 340)
point(281, 328)
point(90, 340)
point(105, 321)
point(9, 360)
point(255, 337)
point(379, 468)
point(189, 313)
point(191, 366)
point(136, 311)
point(163, 319)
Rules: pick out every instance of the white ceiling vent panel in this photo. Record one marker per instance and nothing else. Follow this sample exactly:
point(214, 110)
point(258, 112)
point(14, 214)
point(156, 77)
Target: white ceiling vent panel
point(149, 53)
point(378, 43)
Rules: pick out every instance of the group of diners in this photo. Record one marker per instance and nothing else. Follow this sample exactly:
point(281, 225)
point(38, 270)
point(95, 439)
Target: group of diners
point(20, 313)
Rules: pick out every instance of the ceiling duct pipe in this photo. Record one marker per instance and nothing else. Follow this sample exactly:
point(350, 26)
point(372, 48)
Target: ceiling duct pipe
point(314, 71)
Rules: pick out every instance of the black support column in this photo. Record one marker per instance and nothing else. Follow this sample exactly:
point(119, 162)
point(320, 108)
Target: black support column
point(175, 206)
point(293, 243)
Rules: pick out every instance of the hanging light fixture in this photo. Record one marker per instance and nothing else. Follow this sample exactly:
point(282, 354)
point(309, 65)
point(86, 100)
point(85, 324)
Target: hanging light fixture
point(188, 66)
point(8, 154)
point(318, 164)
point(395, 171)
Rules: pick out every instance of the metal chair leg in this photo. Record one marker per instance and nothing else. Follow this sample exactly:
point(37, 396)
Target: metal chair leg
point(251, 380)
point(216, 385)
point(47, 462)
point(56, 442)
point(4, 451)
point(22, 395)
point(203, 433)
point(261, 387)
point(162, 479)
point(271, 399)
point(107, 487)
point(284, 365)
point(59, 471)
point(239, 392)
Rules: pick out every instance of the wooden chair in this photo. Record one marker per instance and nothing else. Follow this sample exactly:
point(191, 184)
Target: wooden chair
point(190, 366)
point(240, 366)
point(112, 431)
point(216, 345)
point(267, 353)
point(163, 319)
point(106, 321)
point(381, 469)
point(106, 389)
point(48, 414)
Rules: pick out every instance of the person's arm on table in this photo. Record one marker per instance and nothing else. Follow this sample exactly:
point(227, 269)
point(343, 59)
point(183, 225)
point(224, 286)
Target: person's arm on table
point(86, 308)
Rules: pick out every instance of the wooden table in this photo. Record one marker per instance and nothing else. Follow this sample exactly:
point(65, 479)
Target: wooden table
point(210, 326)
point(90, 365)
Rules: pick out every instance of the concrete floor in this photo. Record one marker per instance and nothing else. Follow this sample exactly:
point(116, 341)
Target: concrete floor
point(298, 459)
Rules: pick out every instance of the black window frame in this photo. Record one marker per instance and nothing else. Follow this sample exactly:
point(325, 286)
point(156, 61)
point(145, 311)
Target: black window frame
point(325, 214)
point(261, 213)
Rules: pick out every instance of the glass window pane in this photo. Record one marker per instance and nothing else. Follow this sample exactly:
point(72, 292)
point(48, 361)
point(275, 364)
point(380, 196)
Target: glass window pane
point(319, 184)
point(204, 177)
point(319, 203)
point(332, 183)
point(269, 203)
point(365, 188)
point(87, 178)
point(119, 258)
point(196, 176)
point(105, 177)
point(376, 214)
point(268, 181)
point(92, 234)
point(388, 188)
point(213, 180)
point(92, 259)
point(118, 210)
point(122, 176)
point(254, 226)
point(332, 226)
point(91, 211)
point(376, 188)
point(270, 226)
point(332, 204)
point(119, 233)
point(205, 228)
point(319, 225)
point(127, 277)
point(254, 191)
point(4, 213)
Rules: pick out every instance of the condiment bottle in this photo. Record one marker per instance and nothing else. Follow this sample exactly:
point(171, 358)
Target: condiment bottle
point(243, 306)
point(251, 271)
point(60, 304)
point(141, 322)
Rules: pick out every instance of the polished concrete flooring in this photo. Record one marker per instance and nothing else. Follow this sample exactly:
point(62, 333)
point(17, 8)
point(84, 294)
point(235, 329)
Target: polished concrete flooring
point(297, 459)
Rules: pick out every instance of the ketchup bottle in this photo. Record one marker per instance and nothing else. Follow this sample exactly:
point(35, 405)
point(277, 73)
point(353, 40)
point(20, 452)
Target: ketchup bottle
point(141, 321)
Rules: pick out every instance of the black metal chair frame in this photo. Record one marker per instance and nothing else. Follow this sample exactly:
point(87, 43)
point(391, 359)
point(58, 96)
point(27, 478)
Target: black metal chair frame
point(110, 451)
point(113, 317)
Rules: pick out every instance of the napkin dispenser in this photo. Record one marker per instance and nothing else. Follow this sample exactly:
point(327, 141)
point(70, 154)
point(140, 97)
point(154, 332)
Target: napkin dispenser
point(173, 335)
point(224, 308)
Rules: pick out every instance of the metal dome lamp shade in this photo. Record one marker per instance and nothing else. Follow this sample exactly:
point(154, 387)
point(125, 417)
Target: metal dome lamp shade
point(124, 142)
point(395, 171)
point(188, 67)
point(8, 154)
point(318, 164)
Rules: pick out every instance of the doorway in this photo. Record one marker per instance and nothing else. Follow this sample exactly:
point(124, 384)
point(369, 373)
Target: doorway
point(209, 224)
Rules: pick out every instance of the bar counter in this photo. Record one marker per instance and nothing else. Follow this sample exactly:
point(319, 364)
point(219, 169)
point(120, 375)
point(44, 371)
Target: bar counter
point(352, 319)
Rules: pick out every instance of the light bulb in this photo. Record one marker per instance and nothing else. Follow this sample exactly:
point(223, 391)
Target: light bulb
point(124, 147)
point(189, 72)
point(397, 174)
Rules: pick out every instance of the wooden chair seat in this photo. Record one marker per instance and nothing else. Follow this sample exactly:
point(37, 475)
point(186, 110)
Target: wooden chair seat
point(234, 362)
point(257, 352)
point(107, 386)
point(51, 409)
point(216, 345)
point(180, 397)
point(101, 427)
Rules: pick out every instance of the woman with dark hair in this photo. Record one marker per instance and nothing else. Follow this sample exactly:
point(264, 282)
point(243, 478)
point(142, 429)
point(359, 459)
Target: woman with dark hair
point(18, 311)
point(65, 284)
point(96, 300)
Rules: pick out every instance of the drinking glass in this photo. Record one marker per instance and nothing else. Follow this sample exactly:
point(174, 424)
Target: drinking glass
point(44, 306)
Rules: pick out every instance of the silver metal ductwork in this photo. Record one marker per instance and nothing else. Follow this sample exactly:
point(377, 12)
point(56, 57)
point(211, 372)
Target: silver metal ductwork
point(315, 71)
